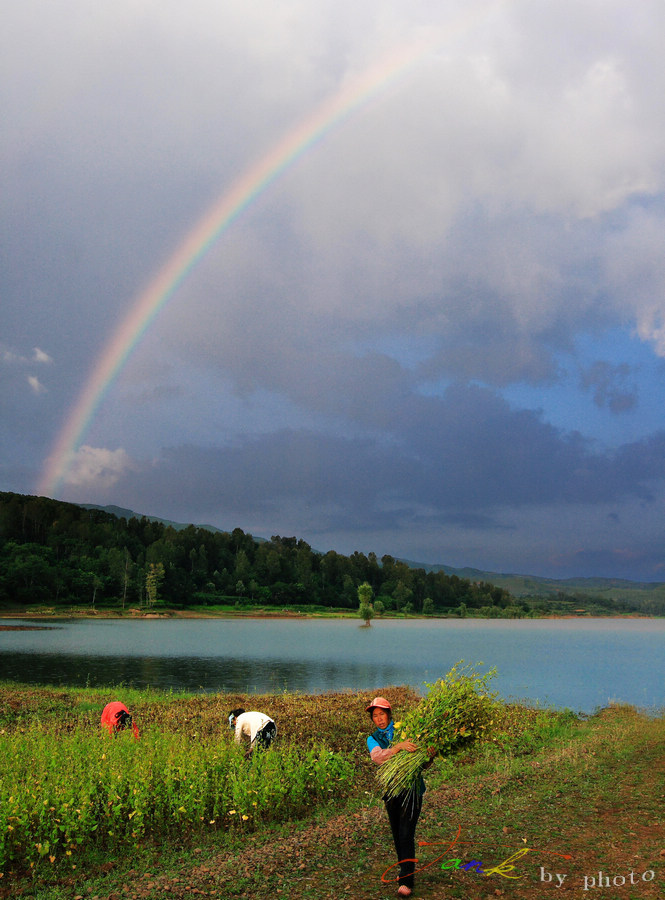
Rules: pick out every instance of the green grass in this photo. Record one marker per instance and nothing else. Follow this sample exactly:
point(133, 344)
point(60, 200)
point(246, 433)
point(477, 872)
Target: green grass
point(65, 793)
point(85, 815)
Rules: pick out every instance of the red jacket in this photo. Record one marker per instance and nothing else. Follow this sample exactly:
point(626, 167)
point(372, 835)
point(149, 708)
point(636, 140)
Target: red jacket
point(110, 717)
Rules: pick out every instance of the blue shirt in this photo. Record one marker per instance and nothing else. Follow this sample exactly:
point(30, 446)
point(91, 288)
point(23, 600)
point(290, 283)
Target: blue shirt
point(381, 738)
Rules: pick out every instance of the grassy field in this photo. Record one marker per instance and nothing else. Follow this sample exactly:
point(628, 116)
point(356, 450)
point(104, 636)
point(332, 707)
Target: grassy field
point(556, 805)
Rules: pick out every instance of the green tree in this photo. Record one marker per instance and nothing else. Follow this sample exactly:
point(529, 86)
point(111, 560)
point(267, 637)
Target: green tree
point(348, 591)
point(153, 580)
point(243, 569)
point(366, 613)
point(402, 595)
point(365, 596)
point(119, 562)
point(97, 584)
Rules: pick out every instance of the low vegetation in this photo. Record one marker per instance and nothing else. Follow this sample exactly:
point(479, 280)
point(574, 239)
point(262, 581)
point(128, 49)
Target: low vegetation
point(181, 811)
point(70, 793)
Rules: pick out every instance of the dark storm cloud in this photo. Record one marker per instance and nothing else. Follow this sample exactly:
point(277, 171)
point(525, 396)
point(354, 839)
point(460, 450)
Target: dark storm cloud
point(466, 454)
point(336, 359)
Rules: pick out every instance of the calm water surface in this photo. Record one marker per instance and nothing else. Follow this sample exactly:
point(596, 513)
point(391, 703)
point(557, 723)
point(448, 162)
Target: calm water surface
point(581, 664)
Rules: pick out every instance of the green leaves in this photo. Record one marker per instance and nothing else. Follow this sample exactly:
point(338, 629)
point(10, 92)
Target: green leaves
point(101, 793)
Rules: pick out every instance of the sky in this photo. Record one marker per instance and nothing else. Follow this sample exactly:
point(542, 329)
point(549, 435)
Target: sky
point(386, 276)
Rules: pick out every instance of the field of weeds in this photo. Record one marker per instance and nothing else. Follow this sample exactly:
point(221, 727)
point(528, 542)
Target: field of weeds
point(181, 810)
point(69, 789)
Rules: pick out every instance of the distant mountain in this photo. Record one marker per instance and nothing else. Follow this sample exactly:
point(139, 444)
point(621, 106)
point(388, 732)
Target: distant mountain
point(121, 513)
point(467, 572)
point(535, 585)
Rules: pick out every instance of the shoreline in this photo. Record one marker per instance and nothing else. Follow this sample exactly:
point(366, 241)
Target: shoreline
point(170, 614)
point(284, 614)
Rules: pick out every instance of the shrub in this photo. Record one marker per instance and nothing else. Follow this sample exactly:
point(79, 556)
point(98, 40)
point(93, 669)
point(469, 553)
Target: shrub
point(66, 793)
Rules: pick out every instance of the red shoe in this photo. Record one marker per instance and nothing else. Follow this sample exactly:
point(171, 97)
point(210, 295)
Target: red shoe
point(404, 891)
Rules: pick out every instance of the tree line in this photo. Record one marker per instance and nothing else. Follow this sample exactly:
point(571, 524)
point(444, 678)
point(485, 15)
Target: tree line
point(52, 552)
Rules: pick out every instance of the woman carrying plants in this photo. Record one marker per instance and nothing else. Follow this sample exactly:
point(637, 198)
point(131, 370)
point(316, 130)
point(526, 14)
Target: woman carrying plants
point(403, 808)
point(457, 711)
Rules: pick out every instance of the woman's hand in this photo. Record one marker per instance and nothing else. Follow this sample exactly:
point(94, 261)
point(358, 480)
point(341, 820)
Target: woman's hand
point(405, 745)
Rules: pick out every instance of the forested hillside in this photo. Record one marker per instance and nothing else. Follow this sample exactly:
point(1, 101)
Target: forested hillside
point(62, 554)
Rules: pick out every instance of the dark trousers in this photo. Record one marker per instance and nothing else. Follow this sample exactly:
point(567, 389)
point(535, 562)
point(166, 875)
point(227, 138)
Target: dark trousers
point(403, 811)
point(265, 736)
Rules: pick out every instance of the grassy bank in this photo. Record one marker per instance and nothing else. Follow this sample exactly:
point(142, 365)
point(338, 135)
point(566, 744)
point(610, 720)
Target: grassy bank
point(173, 814)
point(303, 611)
point(221, 610)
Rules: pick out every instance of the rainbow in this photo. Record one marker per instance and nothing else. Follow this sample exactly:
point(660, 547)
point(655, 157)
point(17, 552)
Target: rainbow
point(251, 184)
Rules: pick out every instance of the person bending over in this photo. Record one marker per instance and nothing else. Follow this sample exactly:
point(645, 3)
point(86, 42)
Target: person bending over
point(116, 717)
point(257, 726)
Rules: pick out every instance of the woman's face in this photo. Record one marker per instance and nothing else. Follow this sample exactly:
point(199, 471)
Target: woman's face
point(380, 717)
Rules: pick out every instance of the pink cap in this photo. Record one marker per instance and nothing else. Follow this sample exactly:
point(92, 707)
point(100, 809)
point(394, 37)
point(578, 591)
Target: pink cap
point(381, 702)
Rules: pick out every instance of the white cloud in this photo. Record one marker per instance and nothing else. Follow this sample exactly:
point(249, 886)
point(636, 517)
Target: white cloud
point(10, 357)
point(36, 385)
point(40, 356)
point(97, 467)
point(13, 359)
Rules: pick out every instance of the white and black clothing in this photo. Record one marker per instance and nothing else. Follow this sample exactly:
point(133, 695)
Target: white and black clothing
point(259, 728)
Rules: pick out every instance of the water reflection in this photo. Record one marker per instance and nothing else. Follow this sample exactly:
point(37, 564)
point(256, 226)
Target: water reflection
point(192, 673)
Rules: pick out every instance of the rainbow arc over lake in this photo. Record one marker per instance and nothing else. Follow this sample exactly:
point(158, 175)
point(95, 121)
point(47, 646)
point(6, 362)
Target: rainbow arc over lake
point(252, 183)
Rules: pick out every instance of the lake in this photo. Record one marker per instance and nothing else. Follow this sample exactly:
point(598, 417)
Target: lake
point(578, 663)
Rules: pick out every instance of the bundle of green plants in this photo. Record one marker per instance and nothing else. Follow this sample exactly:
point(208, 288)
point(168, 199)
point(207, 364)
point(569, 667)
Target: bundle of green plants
point(457, 710)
